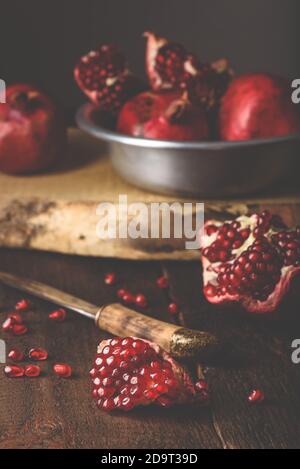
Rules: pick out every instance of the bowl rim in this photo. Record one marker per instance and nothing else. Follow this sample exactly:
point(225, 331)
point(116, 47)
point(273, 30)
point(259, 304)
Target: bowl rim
point(85, 121)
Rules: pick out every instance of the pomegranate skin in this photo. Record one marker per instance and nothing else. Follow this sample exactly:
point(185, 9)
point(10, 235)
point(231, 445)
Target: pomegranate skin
point(258, 106)
point(32, 131)
point(164, 116)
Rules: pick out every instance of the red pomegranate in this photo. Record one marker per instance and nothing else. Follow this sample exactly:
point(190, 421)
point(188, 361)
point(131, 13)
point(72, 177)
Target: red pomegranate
point(251, 260)
point(104, 77)
point(170, 67)
point(164, 116)
point(258, 106)
point(32, 131)
point(131, 372)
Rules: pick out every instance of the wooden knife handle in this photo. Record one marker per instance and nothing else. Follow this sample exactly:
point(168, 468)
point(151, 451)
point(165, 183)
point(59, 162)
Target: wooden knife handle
point(179, 341)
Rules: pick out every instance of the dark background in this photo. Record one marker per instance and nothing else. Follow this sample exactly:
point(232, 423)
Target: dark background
point(40, 40)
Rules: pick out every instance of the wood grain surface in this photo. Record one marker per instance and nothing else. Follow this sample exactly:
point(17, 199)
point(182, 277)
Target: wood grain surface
point(49, 412)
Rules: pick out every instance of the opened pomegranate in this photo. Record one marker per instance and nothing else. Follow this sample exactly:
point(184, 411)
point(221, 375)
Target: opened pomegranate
point(170, 67)
point(164, 116)
point(251, 260)
point(130, 372)
point(32, 132)
point(104, 77)
point(258, 106)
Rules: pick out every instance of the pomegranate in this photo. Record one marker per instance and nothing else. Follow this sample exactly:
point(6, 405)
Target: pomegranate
point(173, 308)
point(23, 305)
point(165, 116)
point(256, 396)
point(14, 371)
point(104, 77)
point(258, 106)
point(16, 355)
point(130, 372)
point(38, 354)
point(110, 278)
point(170, 67)
point(141, 300)
point(32, 133)
point(251, 260)
point(63, 370)
point(58, 315)
point(32, 371)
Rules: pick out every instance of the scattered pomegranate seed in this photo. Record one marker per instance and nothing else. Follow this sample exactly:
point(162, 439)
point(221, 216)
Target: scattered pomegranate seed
point(173, 308)
point(201, 385)
point(256, 396)
point(38, 354)
point(16, 317)
point(128, 298)
point(32, 371)
point(7, 325)
point(16, 355)
point(110, 278)
point(141, 300)
point(23, 305)
point(58, 315)
point(19, 329)
point(121, 292)
point(14, 371)
point(62, 369)
point(162, 282)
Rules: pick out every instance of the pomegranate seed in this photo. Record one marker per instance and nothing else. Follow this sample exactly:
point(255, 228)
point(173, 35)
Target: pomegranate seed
point(173, 308)
point(110, 278)
point(162, 282)
point(16, 317)
point(128, 298)
point(121, 292)
point(38, 354)
point(141, 300)
point(23, 305)
point(32, 371)
point(19, 329)
point(7, 325)
point(201, 385)
point(58, 315)
point(14, 371)
point(256, 396)
point(16, 355)
point(62, 369)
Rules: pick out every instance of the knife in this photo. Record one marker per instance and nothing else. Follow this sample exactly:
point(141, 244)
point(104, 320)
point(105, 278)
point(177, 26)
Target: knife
point(121, 321)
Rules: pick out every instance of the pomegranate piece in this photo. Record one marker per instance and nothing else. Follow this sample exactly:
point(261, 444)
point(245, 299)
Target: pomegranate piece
point(32, 132)
point(23, 305)
point(104, 77)
point(130, 372)
point(141, 300)
point(251, 260)
point(258, 106)
point(170, 67)
point(164, 116)
point(32, 371)
point(173, 308)
point(110, 278)
point(256, 396)
point(38, 354)
point(162, 282)
point(63, 370)
point(14, 371)
point(58, 315)
point(19, 329)
point(16, 355)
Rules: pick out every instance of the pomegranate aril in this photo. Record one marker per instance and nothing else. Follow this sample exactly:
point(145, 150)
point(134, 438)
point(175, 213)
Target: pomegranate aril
point(162, 282)
point(173, 308)
point(110, 278)
point(23, 305)
point(16, 318)
point(128, 298)
point(32, 371)
point(62, 369)
point(121, 292)
point(58, 315)
point(38, 354)
point(141, 300)
point(14, 371)
point(19, 329)
point(7, 325)
point(16, 355)
point(256, 396)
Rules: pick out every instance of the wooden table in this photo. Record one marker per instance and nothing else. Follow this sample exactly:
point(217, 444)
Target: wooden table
point(49, 412)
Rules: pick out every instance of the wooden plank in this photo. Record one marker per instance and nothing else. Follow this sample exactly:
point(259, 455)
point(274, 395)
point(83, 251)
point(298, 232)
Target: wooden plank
point(49, 412)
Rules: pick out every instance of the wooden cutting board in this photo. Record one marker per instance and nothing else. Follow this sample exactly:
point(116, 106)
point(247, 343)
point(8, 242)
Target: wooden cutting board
point(56, 211)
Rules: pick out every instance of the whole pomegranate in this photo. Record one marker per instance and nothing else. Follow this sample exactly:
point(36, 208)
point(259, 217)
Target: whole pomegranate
point(258, 106)
point(164, 116)
point(131, 372)
point(104, 77)
point(251, 260)
point(170, 67)
point(32, 131)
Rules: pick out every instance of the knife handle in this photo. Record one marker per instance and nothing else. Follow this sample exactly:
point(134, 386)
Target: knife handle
point(179, 341)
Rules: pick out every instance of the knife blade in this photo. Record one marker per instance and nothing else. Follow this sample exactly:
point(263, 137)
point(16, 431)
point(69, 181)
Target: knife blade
point(121, 321)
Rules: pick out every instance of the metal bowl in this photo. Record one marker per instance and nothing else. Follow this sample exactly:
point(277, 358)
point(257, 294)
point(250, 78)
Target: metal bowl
point(210, 169)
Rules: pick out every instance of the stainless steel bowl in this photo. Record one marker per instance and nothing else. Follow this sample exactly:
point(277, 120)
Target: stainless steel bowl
point(209, 169)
